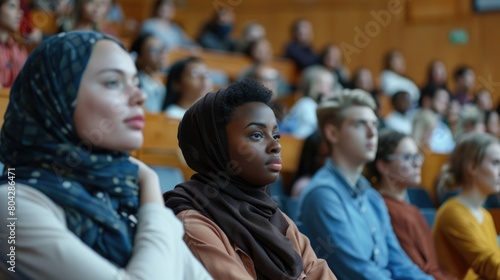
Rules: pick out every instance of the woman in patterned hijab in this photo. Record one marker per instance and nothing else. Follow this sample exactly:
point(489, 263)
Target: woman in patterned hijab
point(74, 112)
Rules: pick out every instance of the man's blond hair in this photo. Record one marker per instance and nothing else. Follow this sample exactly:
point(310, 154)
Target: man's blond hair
point(332, 110)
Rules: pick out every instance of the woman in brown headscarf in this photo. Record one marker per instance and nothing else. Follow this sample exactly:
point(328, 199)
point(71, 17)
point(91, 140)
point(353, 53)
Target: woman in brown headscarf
point(230, 138)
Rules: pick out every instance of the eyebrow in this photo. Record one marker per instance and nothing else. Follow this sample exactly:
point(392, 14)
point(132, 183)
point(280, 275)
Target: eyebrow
point(119, 71)
point(262, 125)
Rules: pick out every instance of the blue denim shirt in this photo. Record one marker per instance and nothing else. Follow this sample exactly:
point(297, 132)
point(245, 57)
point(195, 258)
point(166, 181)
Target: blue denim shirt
point(350, 228)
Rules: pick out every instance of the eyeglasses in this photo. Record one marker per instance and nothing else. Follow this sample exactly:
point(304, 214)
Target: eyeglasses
point(416, 158)
point(156, 50)
point(199, 73)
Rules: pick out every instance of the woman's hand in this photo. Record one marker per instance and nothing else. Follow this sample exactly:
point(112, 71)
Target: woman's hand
point(149, 183)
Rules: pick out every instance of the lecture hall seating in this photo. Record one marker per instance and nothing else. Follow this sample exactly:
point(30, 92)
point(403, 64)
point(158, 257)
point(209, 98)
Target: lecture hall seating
point(232, 63)
point(431, 168)
point(160, 147)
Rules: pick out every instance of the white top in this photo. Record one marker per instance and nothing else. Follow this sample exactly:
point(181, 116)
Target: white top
point(174, 111)
point(46, 249)
point(400, 122)
point(391, 82)
point(441, 139)
point(155, 92)
point(303, 114)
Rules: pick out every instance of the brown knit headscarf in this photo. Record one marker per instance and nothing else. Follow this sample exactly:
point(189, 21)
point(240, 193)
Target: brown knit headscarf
point(245, 212)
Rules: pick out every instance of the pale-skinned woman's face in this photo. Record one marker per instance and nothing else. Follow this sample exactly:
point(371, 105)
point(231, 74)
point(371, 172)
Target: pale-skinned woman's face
point(108, 109)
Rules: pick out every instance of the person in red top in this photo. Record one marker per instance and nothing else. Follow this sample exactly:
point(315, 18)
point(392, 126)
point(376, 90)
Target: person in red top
point(396, 167)
point(12, 55)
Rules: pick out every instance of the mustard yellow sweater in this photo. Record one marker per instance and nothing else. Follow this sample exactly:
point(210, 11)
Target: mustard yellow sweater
point(466, 248)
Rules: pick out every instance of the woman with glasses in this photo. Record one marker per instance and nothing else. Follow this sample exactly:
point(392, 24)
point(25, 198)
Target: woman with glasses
point(464, 232)
point(396, 167)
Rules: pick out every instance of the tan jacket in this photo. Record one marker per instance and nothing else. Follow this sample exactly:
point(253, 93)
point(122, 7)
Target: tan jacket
point(224, 260)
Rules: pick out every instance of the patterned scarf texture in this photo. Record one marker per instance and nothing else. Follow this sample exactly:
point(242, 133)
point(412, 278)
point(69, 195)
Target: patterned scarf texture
point(245, 212)
point(96, 188)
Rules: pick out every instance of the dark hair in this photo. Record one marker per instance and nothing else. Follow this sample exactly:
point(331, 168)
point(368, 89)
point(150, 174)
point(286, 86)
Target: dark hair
point(250, 46)
point(240, 93)
point(395, 96)
point(388, 57)
point(430, 92)
point(388, 141)
point(430, 70)
point(324, 53)
point(138, 43)
point(174, 76)
point(295, 25)
point(460, 71)
point(157, 5)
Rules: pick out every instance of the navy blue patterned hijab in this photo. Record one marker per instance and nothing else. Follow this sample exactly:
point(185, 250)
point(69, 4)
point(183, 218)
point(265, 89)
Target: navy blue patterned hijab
point(96, 188)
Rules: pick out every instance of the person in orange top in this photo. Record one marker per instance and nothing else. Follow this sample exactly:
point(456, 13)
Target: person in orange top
point(232, 225)
point(464, 232)
point(12, 55)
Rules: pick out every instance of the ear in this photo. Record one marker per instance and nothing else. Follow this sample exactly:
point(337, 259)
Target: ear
point(381, 166)
point(470, 167)
point(331, 133)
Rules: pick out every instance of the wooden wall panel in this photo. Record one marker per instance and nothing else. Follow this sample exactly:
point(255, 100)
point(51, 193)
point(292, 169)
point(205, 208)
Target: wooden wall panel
point(420, 29)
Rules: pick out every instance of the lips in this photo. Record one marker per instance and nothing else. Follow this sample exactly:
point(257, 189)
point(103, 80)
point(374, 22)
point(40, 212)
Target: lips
point(135, 122)
point(275, 164)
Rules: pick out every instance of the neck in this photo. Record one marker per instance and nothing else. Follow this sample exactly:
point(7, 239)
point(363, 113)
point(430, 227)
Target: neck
point(186, 102)
point(84, 26)
point(148, 70)
point(350, 169)
point(165, 22)
point(392, 189)
point(472, 196)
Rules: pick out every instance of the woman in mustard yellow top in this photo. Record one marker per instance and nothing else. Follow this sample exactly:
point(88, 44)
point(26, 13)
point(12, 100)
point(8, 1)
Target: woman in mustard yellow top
point(464, 232)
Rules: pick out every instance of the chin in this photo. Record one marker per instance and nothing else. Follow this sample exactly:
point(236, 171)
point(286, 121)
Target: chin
point(128, 146)
point(369, 157)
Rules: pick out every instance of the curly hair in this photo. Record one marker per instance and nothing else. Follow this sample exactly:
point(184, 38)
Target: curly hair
point(240, 93)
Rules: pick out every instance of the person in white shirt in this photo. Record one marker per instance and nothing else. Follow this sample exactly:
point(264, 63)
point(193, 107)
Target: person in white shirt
point(317, 82)
point(392, 79)
point(402, 117)
point(77, 206)
point(150, 59)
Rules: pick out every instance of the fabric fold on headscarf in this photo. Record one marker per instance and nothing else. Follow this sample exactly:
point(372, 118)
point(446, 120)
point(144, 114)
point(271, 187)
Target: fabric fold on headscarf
point(246, 213)
point(96, 188)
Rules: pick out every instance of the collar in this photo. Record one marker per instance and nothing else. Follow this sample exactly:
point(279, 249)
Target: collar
point(358, 189)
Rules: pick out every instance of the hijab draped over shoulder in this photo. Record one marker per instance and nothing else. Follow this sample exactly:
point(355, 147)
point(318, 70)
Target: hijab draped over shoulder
point(245, 212)
point(96, 188)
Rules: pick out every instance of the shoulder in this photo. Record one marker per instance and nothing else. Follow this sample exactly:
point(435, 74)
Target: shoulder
point(200, 229)
point(28, 198)
point(304, 102)
point(175, 111)
point(149, 23)
point(451, 214)
point(451, 208)
point(322, 184)
point(401, 212)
